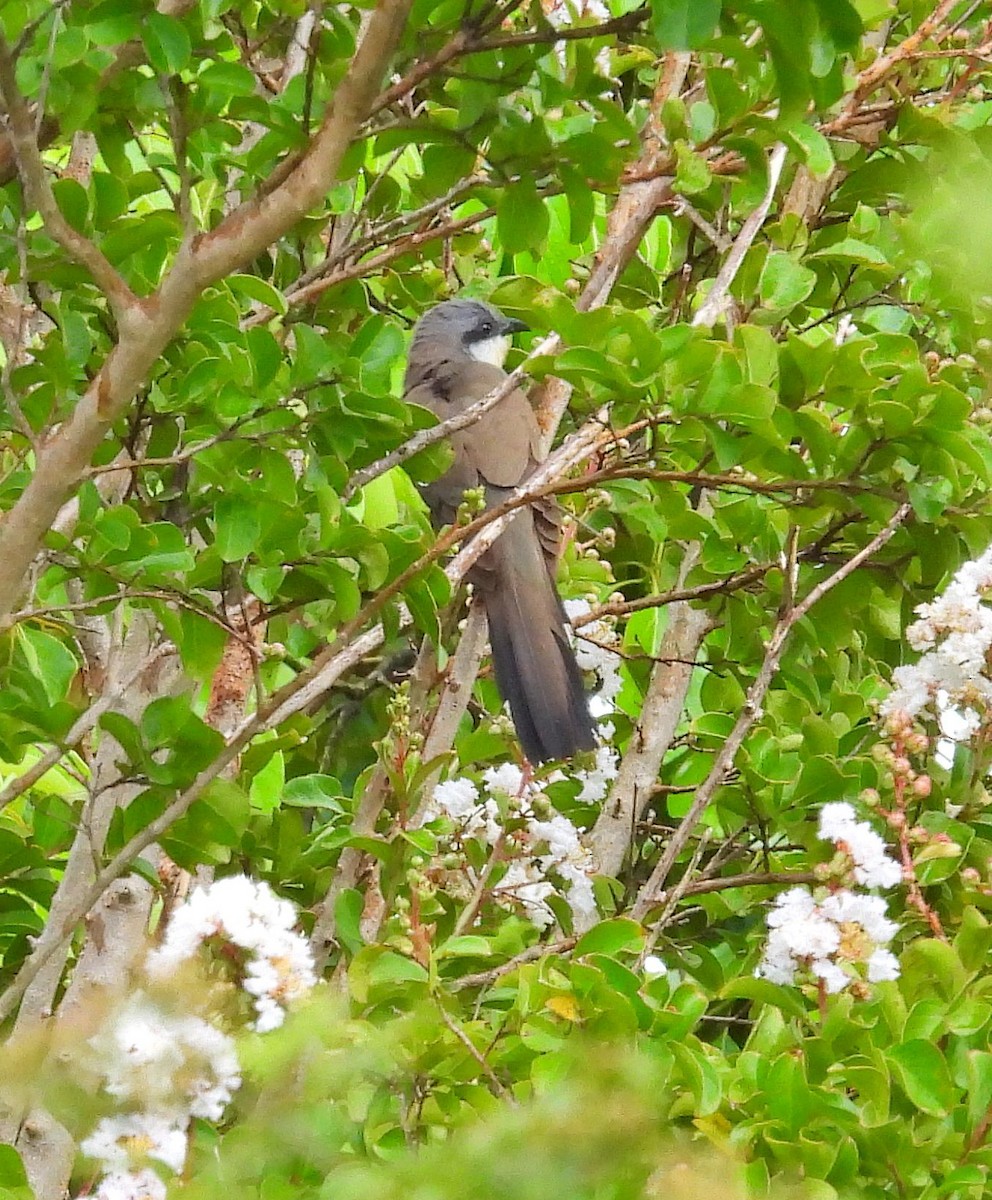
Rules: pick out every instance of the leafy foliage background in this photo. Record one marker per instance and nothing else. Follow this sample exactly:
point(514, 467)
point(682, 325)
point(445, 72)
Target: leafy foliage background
point(165, 709)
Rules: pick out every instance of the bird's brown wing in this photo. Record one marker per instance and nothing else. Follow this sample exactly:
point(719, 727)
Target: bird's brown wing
point(500, 450)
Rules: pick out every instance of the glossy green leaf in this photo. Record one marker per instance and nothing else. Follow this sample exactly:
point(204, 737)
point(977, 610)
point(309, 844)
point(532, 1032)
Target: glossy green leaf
point(922, 1073)
point(522, 218)
point(684, 24)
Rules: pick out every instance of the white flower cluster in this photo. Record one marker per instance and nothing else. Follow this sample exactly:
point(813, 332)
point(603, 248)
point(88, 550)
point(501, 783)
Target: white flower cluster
point(159, 1062)
point(829, 938)
point(538, 849)
point(247, 914)
point(131, 1185)
point(167, 1069)
point(117, 1141)
point(593, 654)
point(163, 1068)
point(834, 936)
point(872, 865)
point(954, 637)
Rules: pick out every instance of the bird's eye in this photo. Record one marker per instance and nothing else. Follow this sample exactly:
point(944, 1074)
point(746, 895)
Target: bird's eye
point(487, 326)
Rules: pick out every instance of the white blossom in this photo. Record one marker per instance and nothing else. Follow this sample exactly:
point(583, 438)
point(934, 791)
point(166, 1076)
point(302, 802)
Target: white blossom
point(954, 636)
point(154, 1060)
point(593, 653)
point(456, 797)
point(835, 819)
point(832, 939)
point(653, 966)
point(119, 1142)
point(524, 884)
point(544, 858)
point(245, 913)
point(872, 865)
point(882, 965)
point(506, 780)
point(835, 979)
point(596, 781)
point(130, 1185)
point(867, 911)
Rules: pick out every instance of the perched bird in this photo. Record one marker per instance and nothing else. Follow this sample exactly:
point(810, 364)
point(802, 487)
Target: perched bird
point(456, 357)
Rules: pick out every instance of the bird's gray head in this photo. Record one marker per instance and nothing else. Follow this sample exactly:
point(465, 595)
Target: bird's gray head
point(469, 327)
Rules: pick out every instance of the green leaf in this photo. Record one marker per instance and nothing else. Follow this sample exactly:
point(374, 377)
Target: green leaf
point(73, 202)
point(922, 1073)
point(228, 78)
point(684, 24)
point(930, 498)
point(581, 204)
point(265, 791)
point(784, 282)
point(314, 791)
point(466, 946)
point(973, 941)
point(237, 528)
point(761, 991)
point(748, 403)
point(201, 643)
point(12, 1173)
point(521, 218)
point(692, 175)
point(78, 343)
point(930, 966)
point(885, 612)
point(166, 43)
point(260, 290)
point(265, 581)
point(790, 1098)
point(978, 1080)
point(812, 148)
point(348, 908)
point(853, 251)
point(701, 1076)
point(50, 662)
point(609, 937)
point(843, 22)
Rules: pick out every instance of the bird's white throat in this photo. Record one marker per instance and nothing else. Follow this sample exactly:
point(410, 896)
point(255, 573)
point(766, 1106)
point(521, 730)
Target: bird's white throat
point(492, 350)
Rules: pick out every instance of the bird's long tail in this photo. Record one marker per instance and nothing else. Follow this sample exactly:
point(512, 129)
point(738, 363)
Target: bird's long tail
point(536, 671)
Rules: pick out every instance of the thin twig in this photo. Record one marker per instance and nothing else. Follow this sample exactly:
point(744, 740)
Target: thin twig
point(498, 1088)
point(531, 954)
point(702, 887)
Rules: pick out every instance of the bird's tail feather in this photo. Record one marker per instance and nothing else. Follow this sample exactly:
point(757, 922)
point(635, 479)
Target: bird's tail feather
point(535, 666)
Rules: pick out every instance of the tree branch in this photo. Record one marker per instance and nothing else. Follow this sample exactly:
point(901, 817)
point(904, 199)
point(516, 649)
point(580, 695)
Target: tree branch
point(718, 298)
point(151, 325)
point(20, 127)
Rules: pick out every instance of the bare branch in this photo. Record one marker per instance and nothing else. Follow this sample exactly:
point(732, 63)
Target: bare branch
point(703, 887)
point(718, 297)
point(612, 834)
point(872, 76)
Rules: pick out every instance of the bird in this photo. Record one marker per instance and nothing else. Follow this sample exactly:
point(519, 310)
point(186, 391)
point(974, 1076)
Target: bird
point(456, 356)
